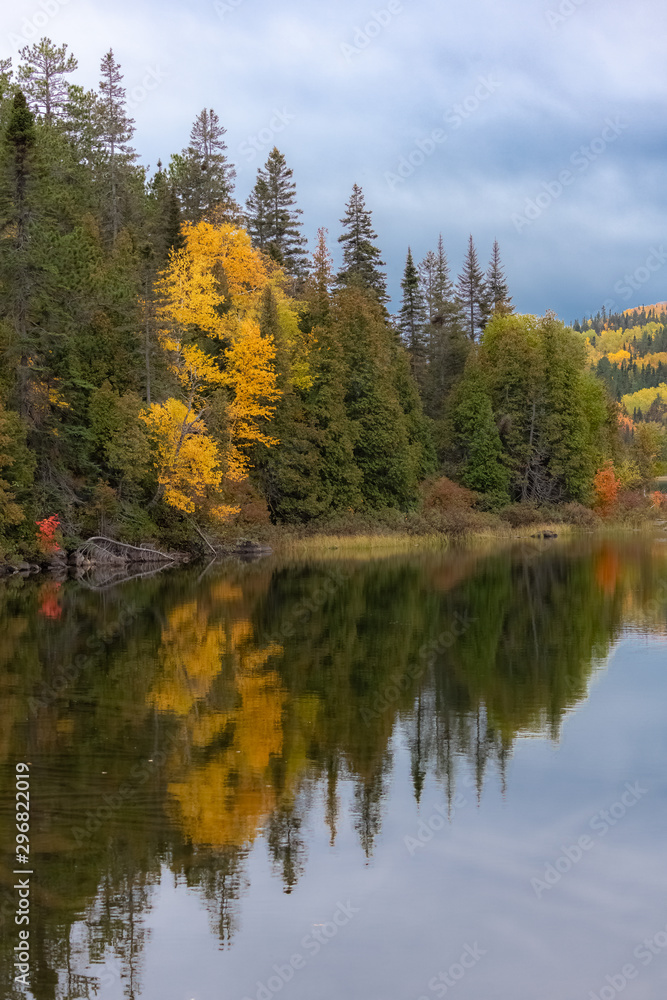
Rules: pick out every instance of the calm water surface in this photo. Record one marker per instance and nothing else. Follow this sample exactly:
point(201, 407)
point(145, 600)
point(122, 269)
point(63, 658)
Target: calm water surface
point(393, 779)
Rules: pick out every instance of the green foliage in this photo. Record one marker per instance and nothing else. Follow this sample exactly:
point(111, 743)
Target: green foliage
point(273, 218)
point(477, 439)
point(361, 257)
point(361, 410)
point(119, 436)
point(17, 466)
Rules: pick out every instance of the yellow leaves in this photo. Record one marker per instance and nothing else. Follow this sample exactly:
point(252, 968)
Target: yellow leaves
point(194, 369)
point(660, 357)
point(244, 267)
point(619, 356)
point(253, 379)
point(225, 799)
point(216, 263)
point(643, 398)
point(211, 288)
point(186, 458)
point(188, 290)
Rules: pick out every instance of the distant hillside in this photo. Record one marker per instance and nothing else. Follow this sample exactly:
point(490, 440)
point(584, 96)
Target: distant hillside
point(628, 351)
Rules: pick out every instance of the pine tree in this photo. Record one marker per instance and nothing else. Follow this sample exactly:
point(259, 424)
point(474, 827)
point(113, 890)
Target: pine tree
point(498, 290)
point(116, 131)
point(411, 319)
point(202, 175)
point(472, 293)
point(82, 125)
point(42, 77)
point(447, 346)
point(273, 219)
point(361, 258)
point(6, 74)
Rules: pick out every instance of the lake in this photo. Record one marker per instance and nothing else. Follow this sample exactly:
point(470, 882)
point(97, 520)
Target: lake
point(390, 779)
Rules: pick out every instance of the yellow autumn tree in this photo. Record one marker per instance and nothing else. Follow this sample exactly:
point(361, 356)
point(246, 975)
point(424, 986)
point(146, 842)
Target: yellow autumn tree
point(251, 377)
point(209, 293)
point(222, 796)
point(187, 459)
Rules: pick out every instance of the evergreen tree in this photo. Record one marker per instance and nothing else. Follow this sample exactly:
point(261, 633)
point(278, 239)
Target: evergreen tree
point(164, 215)
point(258, 215)
point(411, 319)
point(472, 293)
point(115, 131)
point(387, 449)
point(202, 175)
point(82, 125)
point(42, 77)
point(482, 468)
point(273, 219)
point(498, 290)
point(361, 257)
point(436, 283)
point(447, 346)
point(311, 472)
point(318, 289)
point(427, 278)
point(6, 74)
point(18, 210)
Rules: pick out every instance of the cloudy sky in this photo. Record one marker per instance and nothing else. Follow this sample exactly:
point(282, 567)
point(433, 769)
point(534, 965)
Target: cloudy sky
point(537, 122)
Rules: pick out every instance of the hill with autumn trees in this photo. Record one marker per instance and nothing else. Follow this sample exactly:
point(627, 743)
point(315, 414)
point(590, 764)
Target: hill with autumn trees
point(173, 363)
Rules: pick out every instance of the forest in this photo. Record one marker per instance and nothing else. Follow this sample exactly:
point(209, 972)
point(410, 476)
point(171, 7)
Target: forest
point(176, 366)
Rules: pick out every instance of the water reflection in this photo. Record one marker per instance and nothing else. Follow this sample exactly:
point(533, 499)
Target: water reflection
point(172, 721)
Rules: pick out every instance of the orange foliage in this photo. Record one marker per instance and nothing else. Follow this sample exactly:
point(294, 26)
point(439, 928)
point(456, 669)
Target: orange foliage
point(50, 606)
point(607, 568)
point(606, 485)
point(46, 534)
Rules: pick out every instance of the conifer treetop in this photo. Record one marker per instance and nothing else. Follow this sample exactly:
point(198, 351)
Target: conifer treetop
point(42, 76)
point(361, 257)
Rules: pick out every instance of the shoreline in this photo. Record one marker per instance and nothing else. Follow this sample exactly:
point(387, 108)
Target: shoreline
point(285, 544)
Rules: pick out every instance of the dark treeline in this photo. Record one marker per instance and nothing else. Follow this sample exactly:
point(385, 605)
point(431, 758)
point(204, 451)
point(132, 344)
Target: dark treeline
point(628, 377)
point(624, 320)
point(172, 361)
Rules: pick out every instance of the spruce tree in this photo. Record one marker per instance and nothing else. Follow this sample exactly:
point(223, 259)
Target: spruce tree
point(388, 450)
point(361, 257)
point(273, 219)
point(472, 293)
point(447, 346)
point(42, 77)
point(257, 215)
point(435, 280)
point(482, 466)
point(115, 130)
point(411, 319)
point(202, 175)
point(498, 290)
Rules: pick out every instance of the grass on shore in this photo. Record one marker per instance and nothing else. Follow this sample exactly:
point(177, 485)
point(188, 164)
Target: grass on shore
point(394, 543)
